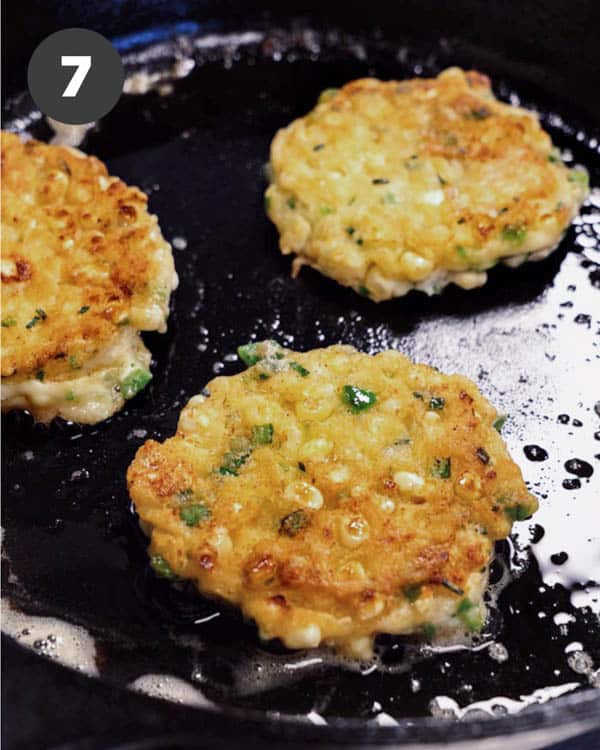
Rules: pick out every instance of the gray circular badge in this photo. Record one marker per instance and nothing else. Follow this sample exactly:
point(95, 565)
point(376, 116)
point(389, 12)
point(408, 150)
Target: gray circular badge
point(75, 76)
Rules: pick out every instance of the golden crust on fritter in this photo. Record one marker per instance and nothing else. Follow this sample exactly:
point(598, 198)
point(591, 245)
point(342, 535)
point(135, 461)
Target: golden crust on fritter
point(333, 495)
point(389, 186)
point(81, 258)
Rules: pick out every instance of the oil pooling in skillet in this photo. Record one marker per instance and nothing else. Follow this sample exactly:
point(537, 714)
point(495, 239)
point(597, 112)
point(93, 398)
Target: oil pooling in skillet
point(525, 340)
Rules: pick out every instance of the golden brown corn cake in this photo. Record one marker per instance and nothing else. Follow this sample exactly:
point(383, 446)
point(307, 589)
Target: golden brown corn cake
point(84, 270)
point(393, 186)
point(333, 495)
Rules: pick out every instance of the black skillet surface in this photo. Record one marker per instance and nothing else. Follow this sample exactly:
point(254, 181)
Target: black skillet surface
point(529, 338)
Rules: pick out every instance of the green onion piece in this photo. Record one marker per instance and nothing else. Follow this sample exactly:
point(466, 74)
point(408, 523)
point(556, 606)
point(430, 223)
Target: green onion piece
point(302, 371)
point(318, 146)
point(481, 113)
point(461, 251)
point(498, 423)
point(517, 512)
point(291, 202)
point(363, 291)
point(9, 322)
point(437, 403)
point(40, 375)
point(428, 630)
point(514, 233)
point(380, 181)
point(350, 230)
point(161, 567)
point(194, 514)
point(83, 309)
point(249, 354)
point(40, 313)
point(293, 523)
point(326, 210)
point(358, 399)
point(74, 363)
point(236, 457)
point(301, 466)
point(262, 434)
point(134, 383)
point(580, 176)
point(412, 593)
point(441, 468)
point(70, 396)
point(418, 394)
point(469, 615)
point(267, 203)
point(326, 95)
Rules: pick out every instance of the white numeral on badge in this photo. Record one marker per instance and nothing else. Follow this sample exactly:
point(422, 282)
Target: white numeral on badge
point(83, 63)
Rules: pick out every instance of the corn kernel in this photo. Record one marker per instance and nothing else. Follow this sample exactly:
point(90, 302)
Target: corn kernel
point(386, 504)
point(304, 494)
point(371, 607)
point(414, 266)
point(359, 648)
point(406, 481)
point(354, 531)
point(318, 402)
point(339, 474)
point(221, 540)
point(470, 279)
point(468, 486)
point(306, 637)
point(354, 571)
point(318, 448)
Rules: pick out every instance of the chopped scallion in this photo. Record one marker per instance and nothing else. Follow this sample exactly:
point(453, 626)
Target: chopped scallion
point(437, 403)
point(302, 371)
point(412, 593)
point(134, 383)
point(262, 434)
point(469, 615)
point(517, 512)
point(293, 523)
point(358, 399)
point(514, 233)
point(441, 468)
point(249, 354)
point(161, 567)
point(194, 514)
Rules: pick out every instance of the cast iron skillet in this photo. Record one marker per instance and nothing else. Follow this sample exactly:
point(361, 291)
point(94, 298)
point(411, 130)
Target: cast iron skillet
point(529, 338)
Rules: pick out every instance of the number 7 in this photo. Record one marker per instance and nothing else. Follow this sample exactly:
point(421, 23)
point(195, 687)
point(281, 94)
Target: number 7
point(83, 63)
